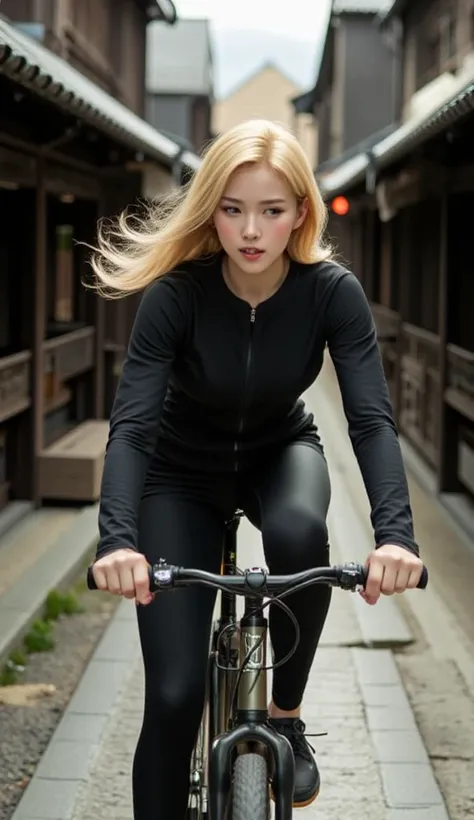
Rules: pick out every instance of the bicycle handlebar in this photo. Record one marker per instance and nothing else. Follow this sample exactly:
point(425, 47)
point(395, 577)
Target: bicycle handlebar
point(257, 582)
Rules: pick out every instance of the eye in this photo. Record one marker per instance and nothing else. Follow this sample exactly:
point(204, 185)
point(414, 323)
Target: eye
point(274, 211)
point(230, 209)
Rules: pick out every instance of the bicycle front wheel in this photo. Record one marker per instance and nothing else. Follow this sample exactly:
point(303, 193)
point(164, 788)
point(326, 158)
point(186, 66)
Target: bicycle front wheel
point(250, 788)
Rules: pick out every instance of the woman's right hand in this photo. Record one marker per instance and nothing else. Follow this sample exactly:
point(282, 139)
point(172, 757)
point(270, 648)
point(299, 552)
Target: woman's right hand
point(124, 572)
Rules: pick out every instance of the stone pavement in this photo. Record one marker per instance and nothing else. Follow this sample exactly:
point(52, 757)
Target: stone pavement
point(29, 540)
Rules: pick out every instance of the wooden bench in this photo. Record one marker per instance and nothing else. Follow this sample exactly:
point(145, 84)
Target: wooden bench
point(71, 468)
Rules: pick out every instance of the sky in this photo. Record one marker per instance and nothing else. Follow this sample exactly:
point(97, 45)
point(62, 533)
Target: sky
point(247, 33)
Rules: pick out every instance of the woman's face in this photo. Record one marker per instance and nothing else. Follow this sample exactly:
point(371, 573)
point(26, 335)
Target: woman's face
point(256, 216)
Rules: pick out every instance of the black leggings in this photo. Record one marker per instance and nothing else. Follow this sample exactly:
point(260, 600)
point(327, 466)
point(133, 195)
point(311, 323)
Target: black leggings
point(183, 521)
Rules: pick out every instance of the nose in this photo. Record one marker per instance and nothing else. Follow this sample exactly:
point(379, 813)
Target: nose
point(250, 230)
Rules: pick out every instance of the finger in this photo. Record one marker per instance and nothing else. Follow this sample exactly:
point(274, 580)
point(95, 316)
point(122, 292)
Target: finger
point(127, 583)
point(389, 579)
point(402, 579)
point(113, 581)
point(100, 578)
point(414, 577)
point(367, 600)
point(374, 580)
point(142, 583)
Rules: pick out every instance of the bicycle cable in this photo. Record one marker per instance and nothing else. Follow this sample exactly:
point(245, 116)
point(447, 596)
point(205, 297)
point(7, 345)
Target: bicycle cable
point(234, 627)
point(275, 599)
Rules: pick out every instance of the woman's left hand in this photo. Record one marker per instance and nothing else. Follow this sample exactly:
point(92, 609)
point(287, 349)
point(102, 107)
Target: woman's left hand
point(391, 569)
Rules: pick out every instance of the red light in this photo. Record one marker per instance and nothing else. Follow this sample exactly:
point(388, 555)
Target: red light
point(340, 205)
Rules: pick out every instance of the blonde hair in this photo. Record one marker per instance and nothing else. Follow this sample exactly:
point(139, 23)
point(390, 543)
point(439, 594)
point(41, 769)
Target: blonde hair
point(134, 253)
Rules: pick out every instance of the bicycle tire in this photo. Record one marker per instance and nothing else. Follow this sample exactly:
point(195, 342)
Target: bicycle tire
point(250, 792)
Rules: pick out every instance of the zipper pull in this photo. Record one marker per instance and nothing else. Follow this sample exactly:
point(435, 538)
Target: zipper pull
point(252, 315)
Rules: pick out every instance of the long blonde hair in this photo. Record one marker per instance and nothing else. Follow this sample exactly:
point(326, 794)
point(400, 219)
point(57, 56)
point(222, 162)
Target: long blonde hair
point(131, 256)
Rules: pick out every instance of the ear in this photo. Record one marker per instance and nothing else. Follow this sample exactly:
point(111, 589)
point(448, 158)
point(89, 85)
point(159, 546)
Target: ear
point(301, 213)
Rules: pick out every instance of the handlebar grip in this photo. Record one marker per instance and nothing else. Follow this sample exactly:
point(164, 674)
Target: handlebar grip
point(91, 584)
point(422, 583)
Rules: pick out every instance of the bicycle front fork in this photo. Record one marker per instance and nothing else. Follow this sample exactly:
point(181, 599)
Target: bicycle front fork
point(281, 759)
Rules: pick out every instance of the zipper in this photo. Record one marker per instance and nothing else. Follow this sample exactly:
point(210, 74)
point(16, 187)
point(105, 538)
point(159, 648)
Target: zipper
point(248, 364)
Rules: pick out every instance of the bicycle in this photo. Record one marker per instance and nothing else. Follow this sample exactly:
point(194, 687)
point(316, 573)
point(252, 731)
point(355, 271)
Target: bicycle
point(240, 762)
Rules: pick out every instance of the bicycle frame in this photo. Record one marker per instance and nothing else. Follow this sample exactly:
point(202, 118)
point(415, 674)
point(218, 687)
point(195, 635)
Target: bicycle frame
point(226, 730)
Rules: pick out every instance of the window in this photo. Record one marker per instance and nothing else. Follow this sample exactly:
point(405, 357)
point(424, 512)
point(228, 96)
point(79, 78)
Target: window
point(63, 297)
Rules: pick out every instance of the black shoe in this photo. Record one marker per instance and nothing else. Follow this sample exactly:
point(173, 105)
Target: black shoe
point(307, 780)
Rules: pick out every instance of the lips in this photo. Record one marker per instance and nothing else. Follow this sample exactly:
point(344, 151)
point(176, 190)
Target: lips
point(251, 253)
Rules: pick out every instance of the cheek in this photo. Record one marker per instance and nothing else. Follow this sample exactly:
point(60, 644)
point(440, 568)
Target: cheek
point(224, 228)
point(282, 229)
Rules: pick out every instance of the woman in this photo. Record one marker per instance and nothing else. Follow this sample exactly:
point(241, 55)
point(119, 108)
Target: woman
point(242, 298)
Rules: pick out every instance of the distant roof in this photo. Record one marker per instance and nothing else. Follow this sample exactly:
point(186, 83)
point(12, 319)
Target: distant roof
point(252, 75)
point(179, 58)
point(361, 6)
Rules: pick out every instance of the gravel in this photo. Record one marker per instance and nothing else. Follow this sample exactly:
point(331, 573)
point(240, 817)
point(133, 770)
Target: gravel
point(26, 730)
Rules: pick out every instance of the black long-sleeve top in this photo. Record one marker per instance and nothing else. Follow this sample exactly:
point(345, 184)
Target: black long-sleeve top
point(215, 385)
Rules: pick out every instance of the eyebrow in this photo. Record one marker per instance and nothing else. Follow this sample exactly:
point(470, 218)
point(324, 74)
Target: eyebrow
point(274, 201)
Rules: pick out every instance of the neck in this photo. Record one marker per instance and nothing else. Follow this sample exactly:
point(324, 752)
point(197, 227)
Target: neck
point(255, 289)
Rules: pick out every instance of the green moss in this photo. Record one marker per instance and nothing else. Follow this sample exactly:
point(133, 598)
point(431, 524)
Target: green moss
point(9, 675)
point(61, 603)
point(18, 657)
point(71, 603)
point(40, 637)
point(53, 605)
point(13, 669)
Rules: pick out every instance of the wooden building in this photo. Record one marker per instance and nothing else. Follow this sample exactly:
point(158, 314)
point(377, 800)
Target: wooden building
point(354, 93)
point(407, 234)
point(73, 147)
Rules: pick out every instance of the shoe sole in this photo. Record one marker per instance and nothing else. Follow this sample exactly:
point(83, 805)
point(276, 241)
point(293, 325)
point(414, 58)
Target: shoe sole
point(305, 803)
